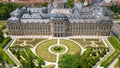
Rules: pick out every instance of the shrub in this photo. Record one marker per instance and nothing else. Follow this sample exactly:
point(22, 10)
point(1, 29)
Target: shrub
point(5, 42)
point(94, 54)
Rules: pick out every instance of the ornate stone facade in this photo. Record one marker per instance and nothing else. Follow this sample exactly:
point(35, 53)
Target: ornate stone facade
point(80, 21)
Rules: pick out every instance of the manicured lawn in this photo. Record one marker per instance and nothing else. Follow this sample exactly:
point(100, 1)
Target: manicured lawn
point(35, 41)
point(42, 50)
point(109, 59)
point(18, 42)
point(117, 65)
point(25, 39)
point(50, 66)
point(100, 44)
point(73, 48)
point(116, 46)
point(82, 42)
point(91, 39)
point(88, 42)
point(29, 41)
point(2, 66)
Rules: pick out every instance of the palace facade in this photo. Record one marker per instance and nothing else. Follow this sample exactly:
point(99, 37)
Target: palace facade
point(94, 20)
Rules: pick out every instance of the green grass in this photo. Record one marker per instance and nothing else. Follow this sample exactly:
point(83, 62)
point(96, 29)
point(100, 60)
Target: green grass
point(29, 41)
point(42, 50)
point(32, 54)
point(117, 65)
point(101, 44)
point(24, 55)
point(73, 47)
point(116, 46)
point(83, 43)
point(35, 41)
point(109, 59)
point(25, 39)
point(2, 66)
point(10, 61)
point(18, 42)
point(91, 39)
point(88, 42)
point(50, 66)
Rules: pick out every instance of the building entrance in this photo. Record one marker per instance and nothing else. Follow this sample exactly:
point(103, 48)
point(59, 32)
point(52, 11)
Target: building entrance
point(58, 35)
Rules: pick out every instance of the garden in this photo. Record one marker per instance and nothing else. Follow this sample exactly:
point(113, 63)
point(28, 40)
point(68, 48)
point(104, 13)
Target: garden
point(115, 43)
point(39, 51)
point(90, 42)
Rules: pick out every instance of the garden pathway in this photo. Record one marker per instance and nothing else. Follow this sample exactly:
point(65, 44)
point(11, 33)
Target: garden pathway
point(8, 52)
point(98, 64)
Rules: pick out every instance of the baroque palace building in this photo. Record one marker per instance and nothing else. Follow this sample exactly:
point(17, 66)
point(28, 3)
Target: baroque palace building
point(59, 21)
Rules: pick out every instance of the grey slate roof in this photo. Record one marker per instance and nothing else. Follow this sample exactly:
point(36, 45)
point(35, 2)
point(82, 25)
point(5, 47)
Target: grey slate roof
point(79, 14)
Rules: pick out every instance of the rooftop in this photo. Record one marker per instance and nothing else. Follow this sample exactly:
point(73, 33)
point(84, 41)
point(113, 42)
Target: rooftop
point(79, 13)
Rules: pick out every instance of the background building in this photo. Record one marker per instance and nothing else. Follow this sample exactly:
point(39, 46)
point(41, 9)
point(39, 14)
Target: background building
point(27, 1)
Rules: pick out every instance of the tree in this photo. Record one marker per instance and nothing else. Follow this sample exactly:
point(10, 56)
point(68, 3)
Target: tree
point(70, 3)
point(1, 4)
point(4, 14)
point(44, 4)
point(94, 54)
point(41, 62)
point(11, 6)
point(82, 1)
point(68, 61)
point(7, 8)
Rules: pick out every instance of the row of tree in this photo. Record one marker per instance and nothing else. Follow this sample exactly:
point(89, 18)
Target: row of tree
point(115, 9)
point(7, 8)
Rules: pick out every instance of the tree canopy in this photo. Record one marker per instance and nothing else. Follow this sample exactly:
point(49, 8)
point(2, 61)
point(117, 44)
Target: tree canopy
point(44, 4)
point(7, 8)
point(115, 9)
point(70, 3)
point(68, 61)
point(86, 60)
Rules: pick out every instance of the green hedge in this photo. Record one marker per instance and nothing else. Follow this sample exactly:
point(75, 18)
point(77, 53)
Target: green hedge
point(3, 44)
point(114, 43)
point(116, 46)
point(109, 59)
point(33, 55)
point(3, 27)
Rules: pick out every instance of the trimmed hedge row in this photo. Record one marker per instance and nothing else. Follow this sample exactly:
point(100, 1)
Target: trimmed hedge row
point(5, 42)
point(3, 27)
point(33, 55)
point(116, 46)
point(109, 59)
point(2, 45)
